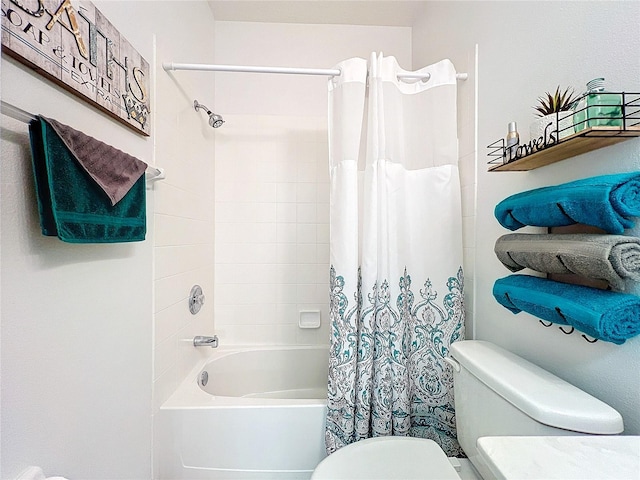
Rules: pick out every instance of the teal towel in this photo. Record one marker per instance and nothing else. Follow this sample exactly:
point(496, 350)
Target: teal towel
point(605, 315)
point(72, 205)
point(607, 202)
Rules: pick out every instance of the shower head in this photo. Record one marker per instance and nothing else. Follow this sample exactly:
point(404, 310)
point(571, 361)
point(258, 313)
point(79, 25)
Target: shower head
point(215, 120)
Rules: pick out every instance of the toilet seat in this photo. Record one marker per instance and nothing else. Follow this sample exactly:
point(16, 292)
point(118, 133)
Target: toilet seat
point(387, 458)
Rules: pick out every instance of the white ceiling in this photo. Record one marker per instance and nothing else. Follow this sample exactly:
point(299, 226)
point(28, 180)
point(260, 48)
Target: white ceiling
point(360, 12)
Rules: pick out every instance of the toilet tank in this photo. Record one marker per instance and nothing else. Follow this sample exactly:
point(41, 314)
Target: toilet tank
point(498, 393)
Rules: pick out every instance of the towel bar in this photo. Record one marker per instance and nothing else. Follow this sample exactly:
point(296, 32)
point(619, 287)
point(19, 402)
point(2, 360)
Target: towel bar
point(152, 173)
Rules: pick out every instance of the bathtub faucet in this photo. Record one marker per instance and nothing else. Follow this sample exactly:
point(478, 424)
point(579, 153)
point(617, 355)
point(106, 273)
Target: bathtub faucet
point(202, 341)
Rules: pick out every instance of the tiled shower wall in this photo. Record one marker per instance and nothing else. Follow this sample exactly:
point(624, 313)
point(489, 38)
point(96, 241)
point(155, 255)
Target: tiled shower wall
point(271, 175)
point(271, 229)
point(183, 214)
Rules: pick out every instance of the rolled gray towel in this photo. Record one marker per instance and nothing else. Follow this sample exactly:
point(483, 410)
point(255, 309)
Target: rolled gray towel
point(613, 258)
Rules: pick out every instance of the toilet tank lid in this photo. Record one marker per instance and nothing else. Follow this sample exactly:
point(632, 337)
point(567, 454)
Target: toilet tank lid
point(536, 392)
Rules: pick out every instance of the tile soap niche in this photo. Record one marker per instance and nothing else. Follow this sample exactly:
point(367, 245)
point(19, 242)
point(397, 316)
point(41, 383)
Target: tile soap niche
point(309, 319)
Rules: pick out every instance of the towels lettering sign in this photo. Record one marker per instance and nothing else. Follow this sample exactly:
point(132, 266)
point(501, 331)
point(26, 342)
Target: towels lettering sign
point(549, 138)
point(72, 43)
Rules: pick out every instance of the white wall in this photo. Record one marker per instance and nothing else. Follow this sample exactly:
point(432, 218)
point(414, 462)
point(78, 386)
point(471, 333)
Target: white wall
point(184, 214)
point(80, 350)
point(76, 319)
point(76, 322)
point(526, 49)
point(183, 144)
point(272, 191)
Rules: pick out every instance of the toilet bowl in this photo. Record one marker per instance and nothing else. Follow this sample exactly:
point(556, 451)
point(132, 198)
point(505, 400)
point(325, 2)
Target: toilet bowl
point(497, 394)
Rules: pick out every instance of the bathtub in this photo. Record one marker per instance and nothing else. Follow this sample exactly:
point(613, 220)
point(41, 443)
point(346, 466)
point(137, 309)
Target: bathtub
point(260, 415)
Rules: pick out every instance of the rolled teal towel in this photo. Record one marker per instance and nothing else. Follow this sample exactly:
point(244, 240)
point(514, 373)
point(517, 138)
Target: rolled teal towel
point(607, 202)
point(605, 315)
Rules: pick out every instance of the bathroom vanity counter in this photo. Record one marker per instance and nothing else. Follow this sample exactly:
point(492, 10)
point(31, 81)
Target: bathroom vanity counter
point(597, 457)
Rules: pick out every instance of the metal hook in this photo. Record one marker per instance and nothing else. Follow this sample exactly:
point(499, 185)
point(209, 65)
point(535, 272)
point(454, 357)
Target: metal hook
point(565, 331)
point(590, 341)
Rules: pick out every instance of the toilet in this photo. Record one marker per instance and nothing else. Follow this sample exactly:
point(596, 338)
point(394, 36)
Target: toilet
point(497, 395)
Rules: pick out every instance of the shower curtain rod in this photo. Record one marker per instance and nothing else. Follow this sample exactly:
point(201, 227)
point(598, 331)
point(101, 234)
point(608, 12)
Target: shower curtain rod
point(152, 173)
point(330, 72)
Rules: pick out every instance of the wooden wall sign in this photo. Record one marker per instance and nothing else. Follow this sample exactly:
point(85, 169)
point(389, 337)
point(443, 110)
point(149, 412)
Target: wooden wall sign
point(72, 43)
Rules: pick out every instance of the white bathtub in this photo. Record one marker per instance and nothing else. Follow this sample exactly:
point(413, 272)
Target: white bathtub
point(260, 416)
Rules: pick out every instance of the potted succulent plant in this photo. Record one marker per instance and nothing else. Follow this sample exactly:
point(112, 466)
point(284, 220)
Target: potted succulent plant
point(551, 109)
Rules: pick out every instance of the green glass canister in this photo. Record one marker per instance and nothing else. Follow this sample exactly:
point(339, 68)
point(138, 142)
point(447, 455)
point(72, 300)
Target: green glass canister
point(597, 107)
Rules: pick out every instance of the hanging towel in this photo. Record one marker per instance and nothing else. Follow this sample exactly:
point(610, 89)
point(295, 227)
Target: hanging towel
point(613, 258)
point(605, 315)
point(607, 202)
point(113, 170)
point(87, 191)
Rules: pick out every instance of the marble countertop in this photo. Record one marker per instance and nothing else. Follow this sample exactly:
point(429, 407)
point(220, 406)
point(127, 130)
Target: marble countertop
point(589, 457)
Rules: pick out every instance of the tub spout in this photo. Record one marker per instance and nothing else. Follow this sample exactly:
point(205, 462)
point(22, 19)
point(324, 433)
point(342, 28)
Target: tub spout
point(202, 341)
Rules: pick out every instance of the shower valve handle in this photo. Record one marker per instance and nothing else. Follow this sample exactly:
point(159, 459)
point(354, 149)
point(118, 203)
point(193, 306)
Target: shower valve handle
point(196, 299)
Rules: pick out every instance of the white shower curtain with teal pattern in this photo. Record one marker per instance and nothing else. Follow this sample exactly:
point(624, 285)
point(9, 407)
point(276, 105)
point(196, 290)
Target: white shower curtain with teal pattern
point(396, 280)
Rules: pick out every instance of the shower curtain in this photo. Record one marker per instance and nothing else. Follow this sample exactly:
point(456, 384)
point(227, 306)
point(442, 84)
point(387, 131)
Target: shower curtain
point(396, 282)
